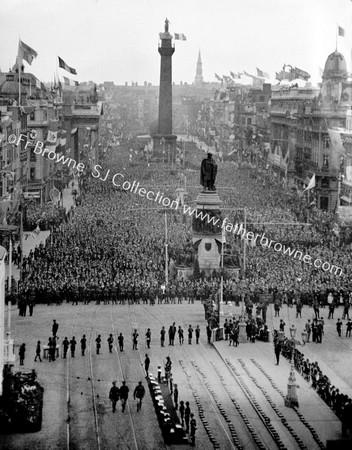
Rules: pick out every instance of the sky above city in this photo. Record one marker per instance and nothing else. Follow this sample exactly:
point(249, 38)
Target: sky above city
point(117, 40)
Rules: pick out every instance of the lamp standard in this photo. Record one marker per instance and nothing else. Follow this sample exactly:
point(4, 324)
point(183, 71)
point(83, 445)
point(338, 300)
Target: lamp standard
point(291, 399)
point(162, 141)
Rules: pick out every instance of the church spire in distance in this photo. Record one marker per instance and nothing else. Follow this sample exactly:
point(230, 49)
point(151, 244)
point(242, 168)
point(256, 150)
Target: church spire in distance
point(199, 72)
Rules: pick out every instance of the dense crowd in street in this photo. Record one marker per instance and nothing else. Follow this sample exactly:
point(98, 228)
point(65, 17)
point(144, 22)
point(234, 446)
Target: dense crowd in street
point(112, 249)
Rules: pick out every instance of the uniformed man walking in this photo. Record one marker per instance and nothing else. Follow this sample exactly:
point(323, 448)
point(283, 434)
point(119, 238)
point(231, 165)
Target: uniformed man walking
point(124, 390)
point(139, 392)
point(114, 395)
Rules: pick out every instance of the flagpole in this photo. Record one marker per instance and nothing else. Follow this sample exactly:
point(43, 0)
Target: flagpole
point(166, 254)
point(19, 78)
point(337, 30)
point(308, 207)
point(221, 297)
point(244, 262)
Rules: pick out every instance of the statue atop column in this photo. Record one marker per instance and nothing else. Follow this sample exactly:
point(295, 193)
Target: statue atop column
point(167, 25)
point(208, 171)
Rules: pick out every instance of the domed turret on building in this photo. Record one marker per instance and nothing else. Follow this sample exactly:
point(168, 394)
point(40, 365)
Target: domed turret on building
point(335, 66)
point(9, 88)
point(334, 75)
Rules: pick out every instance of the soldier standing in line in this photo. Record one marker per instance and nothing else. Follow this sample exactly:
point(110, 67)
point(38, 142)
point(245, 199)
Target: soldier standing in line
point(209, 333)
point(339, 327)
point(21, 353)
point(37, 352)
point(55, 328)
point(187, 416)
point(168, 366)
point(120, 339)
point(98, 344)
point(182, 412)
point(190, 334)
point(180, 335)
point(176, 396)
point(66, 345)
point(73, 344)
point(278, 349)
point(197, 334)
point(308, 328)
point(146, 364)
point(192, 435)
point(110, 342)
point(83, 344)
point(162, 337)
point(135, 340)
point(148, 337)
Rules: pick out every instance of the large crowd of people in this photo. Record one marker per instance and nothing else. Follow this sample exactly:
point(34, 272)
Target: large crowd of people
point(112, 248)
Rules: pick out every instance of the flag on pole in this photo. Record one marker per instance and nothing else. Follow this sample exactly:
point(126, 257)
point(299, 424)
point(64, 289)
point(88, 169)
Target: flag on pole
point(65, 66)
point(262, 74)
point(218, 78)
point(311, 183)
point(180, 37)
point(25, 52)
point(341, 31)
point(247, 74)
point(69, 82)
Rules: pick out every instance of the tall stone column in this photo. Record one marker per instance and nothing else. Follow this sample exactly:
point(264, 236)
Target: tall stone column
point(164, 139)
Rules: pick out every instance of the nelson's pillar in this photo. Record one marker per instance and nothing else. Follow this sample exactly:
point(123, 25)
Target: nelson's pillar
point(164, 140)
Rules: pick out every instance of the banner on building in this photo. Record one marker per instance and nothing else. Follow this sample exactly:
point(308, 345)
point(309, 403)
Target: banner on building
point(301, 74)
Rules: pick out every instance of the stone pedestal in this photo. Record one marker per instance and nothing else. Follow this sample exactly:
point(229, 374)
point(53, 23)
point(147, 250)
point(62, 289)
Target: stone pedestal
point(206, 231)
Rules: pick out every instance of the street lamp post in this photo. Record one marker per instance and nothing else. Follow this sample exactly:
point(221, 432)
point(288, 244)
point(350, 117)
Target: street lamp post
point(162, 141)
point(291, 399)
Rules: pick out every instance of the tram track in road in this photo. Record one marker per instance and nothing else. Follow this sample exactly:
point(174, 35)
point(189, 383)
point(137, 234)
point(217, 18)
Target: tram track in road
point(231, 441)
point(74, 416)
point(119, 371)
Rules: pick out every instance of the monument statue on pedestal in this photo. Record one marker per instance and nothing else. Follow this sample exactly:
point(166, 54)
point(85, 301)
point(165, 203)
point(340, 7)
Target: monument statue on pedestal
point(208, 171)
point(167, 25)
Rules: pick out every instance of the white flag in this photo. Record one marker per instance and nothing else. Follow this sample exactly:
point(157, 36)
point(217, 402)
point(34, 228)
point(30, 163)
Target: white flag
point(311, 183)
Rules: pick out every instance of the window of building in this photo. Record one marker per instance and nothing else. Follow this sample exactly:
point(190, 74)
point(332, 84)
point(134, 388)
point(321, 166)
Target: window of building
point(261, 98)
point(324, 203)
point(325, 183)
point(325, 162)
point(328, 90)
point(249, 120)
point(326, 142)
point(32, 116)
point(33, 157)
point(32, 173)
